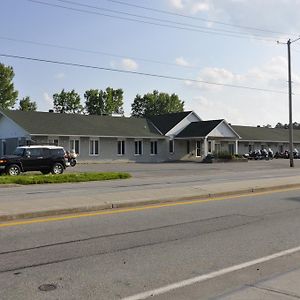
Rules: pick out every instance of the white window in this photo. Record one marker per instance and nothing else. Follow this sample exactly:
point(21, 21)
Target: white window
point(153, 147)
point(171, 146)
point(198, 148)
point(188, 147)
point(121, 147)
point(53, 141)
point(3, 147)
point(138, 147)
point(209, 147)
point(218, 148)
point(75, 145)
point(231, 148)
point(94, 147)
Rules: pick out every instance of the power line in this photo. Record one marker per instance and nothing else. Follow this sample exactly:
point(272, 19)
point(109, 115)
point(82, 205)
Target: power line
point(138, 73)
point(240, 35)
point(157, 19)
point(197, 18)
point(102, 53)
point(94, 52)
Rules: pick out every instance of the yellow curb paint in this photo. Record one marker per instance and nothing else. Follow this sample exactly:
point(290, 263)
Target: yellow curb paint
point(139, 208)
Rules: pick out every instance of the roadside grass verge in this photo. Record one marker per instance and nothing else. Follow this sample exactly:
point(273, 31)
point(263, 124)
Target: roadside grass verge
point(26, 179)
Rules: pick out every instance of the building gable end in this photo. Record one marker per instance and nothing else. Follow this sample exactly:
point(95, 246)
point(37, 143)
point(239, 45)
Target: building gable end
point(191, 118)
point(10, 129)
point(223, 130)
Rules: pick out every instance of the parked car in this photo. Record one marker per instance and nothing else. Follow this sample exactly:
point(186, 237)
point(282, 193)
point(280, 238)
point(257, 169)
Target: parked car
point(45, 159)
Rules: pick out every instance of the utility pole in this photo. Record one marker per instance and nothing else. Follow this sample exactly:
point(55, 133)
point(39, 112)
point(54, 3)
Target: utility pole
point(289, 42)
point(290, 106)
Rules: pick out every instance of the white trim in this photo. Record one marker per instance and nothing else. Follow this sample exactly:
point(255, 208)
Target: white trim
point(142, 147)
point(94, 146)
point(100, 136)
point(3, 142)
point(173, 146)
point(230, 128)
point(26, 133)
point(196, 148)
point(121, 140)
point(71, 138)
point(154, 141)
point(52, 139)
point(173, 131)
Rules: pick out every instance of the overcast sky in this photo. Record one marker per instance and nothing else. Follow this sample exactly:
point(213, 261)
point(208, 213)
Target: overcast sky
point(226, 42)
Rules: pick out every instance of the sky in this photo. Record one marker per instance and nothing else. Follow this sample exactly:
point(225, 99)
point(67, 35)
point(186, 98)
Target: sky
point(222, 55)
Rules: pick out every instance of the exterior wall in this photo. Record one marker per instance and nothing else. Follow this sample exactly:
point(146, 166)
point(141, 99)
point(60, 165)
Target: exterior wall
point(108, 149)
point(222, 130)
point(244, 146)
point(181, 151)
point(9, 129)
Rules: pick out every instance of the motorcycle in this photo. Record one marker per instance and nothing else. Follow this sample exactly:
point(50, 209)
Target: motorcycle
point(71, 158)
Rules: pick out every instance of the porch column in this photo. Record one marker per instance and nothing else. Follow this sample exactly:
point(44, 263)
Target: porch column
point(236, 147)
point(205, 147)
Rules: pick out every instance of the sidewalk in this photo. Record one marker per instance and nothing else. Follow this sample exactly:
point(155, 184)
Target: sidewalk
point(282, 287)
point(52, 204)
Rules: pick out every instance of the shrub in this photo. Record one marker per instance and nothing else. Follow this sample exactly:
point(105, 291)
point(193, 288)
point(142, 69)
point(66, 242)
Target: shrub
point(223, 155)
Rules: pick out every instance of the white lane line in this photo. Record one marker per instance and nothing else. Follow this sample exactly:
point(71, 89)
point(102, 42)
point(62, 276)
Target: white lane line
point(184, 283)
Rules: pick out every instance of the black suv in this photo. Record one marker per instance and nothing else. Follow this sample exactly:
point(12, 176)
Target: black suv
point(45, 159)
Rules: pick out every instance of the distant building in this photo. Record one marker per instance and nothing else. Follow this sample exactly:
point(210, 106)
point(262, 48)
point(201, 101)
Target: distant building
point(169, 137)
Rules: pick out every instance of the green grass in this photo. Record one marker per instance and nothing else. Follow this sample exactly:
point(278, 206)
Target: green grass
point(63, 178)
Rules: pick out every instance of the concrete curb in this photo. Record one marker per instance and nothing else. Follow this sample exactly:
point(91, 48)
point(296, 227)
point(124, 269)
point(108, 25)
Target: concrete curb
point(107, 206)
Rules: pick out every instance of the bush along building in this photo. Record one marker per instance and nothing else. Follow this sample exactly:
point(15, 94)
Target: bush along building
point(170, 137)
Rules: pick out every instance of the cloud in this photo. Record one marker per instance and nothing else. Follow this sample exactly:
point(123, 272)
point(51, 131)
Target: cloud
point(191, 6)
point(129, 64)
point(271, 75)
point(47, 98)
point(180, 61)
point(60, 76)
point(178, 4)
point(217, 76)
point(279, 16)
point(242, 106)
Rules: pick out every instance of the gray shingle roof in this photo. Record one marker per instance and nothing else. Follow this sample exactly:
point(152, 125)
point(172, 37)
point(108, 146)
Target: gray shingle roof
point(249, 133)
point(166, 122)
point(199, 129)
point(82, 125)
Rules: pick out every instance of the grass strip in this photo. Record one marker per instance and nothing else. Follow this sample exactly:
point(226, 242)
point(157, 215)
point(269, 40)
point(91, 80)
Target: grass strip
point(63, 178)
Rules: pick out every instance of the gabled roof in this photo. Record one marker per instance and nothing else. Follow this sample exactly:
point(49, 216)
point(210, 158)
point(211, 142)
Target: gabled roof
point(45, 123)
point(164, 123)
point(249, 133)
point(199, 129)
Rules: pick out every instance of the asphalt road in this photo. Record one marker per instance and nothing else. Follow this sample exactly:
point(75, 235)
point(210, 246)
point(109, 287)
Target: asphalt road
point(118, 255)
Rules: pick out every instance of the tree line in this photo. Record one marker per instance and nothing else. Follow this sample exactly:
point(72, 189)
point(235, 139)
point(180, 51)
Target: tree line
point(97, 101)
point(280, 125)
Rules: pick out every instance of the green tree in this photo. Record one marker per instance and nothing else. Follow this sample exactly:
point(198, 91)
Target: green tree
point(26, 104)
point(113, 101)
point(8, 94)
point(99, 102)
point(156, 104)
point(67, 102)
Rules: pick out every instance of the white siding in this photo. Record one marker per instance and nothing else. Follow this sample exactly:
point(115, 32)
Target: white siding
point(192, 117)
point(9, 129)
point(222, 130)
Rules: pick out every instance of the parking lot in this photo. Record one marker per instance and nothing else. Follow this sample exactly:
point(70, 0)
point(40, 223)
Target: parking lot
point(275, 168)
